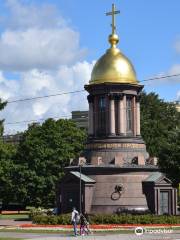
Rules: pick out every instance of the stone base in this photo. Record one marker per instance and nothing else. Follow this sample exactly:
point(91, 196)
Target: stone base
point(116, 189)
point(116, 150)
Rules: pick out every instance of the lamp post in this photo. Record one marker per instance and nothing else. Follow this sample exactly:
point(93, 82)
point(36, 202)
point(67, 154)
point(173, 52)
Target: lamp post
point(80, 190)
point(82, 161)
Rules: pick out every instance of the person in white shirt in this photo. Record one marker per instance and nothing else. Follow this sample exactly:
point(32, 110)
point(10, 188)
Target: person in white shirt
point(74, 219)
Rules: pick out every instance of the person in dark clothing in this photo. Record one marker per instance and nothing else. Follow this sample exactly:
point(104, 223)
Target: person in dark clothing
point(84, 224)
point(87, 223)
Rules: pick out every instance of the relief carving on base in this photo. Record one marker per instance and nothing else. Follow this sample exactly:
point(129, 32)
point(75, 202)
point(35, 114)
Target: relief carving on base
point(114, 145)
point(118, 190)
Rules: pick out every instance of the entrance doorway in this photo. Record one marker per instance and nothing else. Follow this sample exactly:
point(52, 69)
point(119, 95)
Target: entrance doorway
point(164, 202)
point(72, 201)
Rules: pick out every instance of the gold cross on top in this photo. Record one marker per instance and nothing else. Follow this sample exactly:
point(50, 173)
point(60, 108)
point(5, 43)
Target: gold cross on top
point(113, 17)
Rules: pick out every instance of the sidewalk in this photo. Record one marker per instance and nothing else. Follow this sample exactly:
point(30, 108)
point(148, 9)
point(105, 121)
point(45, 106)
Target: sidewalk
point(27, 225)
point(100, 236)
point(26, 230)
point(12, 222)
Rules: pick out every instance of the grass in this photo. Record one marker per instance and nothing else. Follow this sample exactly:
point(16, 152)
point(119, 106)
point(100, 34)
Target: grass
point(10, 238)
point(15, 216)
point(59, 231)
point(121, 231)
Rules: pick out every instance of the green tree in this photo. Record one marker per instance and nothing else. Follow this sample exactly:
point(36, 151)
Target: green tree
point(160, 128)
point(42, 155)
point(2, 106)
point(158, 120)
point(7, 153)
point(7, 167)
point(169, 157)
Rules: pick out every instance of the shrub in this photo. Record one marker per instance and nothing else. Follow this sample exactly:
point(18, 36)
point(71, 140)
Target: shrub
point(39, 211)
point(108, 219)
point(52, 220)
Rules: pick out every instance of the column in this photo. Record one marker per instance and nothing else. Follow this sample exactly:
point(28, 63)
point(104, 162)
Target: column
point(172, 202)
point(107, 115)
point(111, 116)
point(95, 115)
point(121, 118)
point(158, 202)
point(134, 116)
point(124, 114)
point(91, 125)
point(138, 126)
point(175, 201)
point(155, 200)
point(90, 116)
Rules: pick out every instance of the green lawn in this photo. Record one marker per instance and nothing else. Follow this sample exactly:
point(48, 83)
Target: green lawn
point(15, 216)
point(122, 231)
point(60, 231)
point(10, 238)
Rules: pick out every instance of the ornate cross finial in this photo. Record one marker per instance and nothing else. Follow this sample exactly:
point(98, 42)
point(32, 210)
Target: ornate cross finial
point(113, 17)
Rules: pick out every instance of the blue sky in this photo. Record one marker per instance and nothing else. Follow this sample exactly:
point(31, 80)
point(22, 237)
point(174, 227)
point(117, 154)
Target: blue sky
point(50, 46)
point(148, 33)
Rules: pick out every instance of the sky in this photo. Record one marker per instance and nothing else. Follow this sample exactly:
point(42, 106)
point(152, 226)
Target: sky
point(50, 46)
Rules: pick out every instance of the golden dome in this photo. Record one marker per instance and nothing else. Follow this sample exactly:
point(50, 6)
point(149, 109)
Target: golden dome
point(113, 66)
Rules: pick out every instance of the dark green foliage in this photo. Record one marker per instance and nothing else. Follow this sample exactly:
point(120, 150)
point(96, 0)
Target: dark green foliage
point(30, 173)
point(7, 152)
point(42, 156)
point(160, 128)
point(158, 120)
point(2, 106)
point(110, 219)
point(169, 157)
point(7, 167)
point(45, 219)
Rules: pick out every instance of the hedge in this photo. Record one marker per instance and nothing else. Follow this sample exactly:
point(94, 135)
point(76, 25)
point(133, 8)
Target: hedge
point(108, 219)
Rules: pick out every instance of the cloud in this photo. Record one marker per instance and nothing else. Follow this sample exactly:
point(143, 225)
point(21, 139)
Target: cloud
point(44, 52)
point(177, 46)
point(37, 48)
point(42, 55)
point(36, 37)
point(167, 87)
point(178, 96)
point(25, 15)
point(39, 83)
point(7, 88)
point(174, 70)
point(35, 81)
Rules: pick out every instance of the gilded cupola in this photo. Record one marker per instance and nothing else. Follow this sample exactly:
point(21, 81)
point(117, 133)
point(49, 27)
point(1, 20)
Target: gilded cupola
point(113, 66)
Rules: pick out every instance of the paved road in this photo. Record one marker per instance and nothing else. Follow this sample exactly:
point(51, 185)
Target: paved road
point(37, 236)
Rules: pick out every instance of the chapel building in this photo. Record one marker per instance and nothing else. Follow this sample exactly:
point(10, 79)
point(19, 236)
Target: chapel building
point(115, 173)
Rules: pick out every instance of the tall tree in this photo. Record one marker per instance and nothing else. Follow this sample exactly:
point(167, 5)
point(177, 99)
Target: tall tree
point(2, 106)
point(160, 128)
point(158, 120)
point(7, 152)
point(7, 168)
point(42, 156)
point(169, 157)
